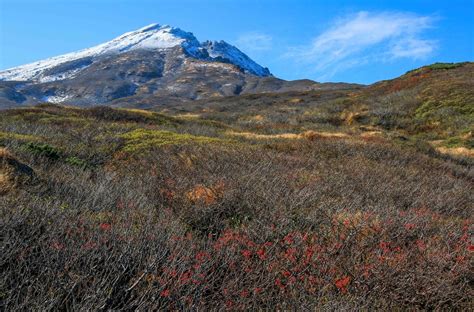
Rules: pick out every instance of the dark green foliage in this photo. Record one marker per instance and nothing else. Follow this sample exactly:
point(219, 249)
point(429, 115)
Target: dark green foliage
point(121, 115)
point(43, 149)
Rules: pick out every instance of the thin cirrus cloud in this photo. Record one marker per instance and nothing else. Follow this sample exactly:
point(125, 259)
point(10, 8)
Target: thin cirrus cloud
point(367, 37)
point(254, 42)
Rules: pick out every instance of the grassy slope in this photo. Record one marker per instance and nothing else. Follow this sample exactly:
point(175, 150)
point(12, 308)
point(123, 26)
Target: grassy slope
point(441, 101)
point(133, 209)
point(324, 200)
point(431, 104)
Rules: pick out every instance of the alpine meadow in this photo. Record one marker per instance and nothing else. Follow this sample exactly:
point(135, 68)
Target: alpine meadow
point(157, 172)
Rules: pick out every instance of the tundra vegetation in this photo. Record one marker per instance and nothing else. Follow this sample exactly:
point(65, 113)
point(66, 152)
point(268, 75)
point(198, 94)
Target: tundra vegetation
point(323, 200)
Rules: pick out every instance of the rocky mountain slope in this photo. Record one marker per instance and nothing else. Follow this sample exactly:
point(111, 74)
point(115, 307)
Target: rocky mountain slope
point(161, 62)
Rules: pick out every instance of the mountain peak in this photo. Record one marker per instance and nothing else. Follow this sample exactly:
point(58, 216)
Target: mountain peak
point(152, 27)
point(151, 37)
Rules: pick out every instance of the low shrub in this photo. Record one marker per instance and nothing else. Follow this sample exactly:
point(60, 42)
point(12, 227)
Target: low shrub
point(43, 149)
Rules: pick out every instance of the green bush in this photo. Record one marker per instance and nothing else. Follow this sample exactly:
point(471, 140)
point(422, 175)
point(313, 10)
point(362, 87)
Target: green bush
point(437, 66)
point(43, 149)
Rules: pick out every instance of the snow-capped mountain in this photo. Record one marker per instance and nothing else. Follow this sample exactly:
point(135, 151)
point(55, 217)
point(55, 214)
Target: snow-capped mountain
point(155, 64)
point(151, 37)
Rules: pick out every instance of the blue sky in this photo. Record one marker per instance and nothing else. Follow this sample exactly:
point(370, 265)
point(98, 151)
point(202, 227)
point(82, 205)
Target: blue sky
point(353, 41)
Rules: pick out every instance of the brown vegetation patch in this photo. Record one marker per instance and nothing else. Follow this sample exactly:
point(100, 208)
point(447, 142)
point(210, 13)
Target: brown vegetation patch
point(204, 194)
point(351, 117)
point(12, 172)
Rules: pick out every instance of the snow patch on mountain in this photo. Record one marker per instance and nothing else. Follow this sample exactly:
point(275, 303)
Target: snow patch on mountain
point(56, 99)
point(221, 50)
point(63, 75)
point(151, 37)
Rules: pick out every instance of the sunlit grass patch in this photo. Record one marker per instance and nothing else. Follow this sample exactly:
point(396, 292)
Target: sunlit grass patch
point(189, 116)
point(310, 135)
point(4, 136)
point(142, 139)
point(456, 151)
point(64, 120)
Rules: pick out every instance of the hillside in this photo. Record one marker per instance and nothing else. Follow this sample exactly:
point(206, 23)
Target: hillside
point(431, 105)
point(260, 201)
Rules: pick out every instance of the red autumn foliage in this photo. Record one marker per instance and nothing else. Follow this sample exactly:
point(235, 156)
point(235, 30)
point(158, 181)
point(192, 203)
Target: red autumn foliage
point(342, 283)
point(246, 253)
point(105, 226)
point(165, 293)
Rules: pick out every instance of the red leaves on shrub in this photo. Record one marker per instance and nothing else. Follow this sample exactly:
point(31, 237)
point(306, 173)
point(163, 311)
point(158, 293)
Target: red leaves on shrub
point(105, 226)
point(289, 239)
point(268, 244)
point(342, 283)
point(421, 244)
point(290, 254)
point(246, 253)
point(299, 261)
point(57, 246)
point(244, 293)
point(279, 284)
point(165, 293)
point(201, 256)
point(308, 254)
point(384, 246)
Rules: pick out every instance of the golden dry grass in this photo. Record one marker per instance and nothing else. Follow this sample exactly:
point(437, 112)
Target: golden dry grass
point(188, 116)
point(456, 151)
point(305, 135)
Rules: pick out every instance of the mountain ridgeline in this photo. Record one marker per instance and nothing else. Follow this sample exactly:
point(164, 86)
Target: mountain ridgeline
point(164, 62)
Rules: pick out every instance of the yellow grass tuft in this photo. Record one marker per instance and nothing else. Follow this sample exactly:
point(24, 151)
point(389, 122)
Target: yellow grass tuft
point(309, 135)
point(456, 151)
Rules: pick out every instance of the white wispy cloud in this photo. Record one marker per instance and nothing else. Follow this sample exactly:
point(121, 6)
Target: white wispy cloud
point(356, 39)
point(254, 42)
